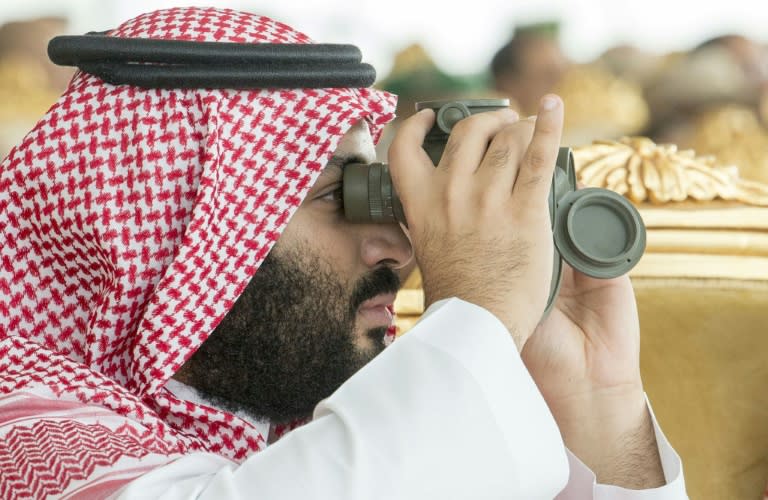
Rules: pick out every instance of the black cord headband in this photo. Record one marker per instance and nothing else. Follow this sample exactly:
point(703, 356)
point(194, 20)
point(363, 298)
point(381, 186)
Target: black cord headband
point(153, 63)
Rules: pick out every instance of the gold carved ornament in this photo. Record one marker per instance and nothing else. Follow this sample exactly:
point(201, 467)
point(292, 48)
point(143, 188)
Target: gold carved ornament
point(644, 171)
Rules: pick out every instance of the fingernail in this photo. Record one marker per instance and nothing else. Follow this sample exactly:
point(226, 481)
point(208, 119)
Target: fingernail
point(549, 102)
point(532, 118)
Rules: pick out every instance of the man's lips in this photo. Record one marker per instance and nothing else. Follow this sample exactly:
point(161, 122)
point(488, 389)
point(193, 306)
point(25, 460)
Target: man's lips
point(381, 300)
point(378, 310)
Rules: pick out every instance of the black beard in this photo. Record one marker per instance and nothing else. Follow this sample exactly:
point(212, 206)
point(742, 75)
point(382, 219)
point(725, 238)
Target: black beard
point(288, 342)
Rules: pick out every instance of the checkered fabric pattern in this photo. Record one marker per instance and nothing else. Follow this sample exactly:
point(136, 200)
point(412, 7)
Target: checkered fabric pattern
point(132, 219)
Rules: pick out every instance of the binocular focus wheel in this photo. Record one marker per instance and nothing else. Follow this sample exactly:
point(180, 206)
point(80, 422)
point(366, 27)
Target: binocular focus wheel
point(450, 113)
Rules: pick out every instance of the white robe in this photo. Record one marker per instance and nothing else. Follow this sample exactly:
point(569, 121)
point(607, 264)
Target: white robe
point(449, 411)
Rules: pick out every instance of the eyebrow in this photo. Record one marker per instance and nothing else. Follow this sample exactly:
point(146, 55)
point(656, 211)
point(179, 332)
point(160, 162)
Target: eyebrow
point(340, 160)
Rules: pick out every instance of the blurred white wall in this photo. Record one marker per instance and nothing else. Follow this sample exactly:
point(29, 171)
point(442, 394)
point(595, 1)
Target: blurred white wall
point(462, 35)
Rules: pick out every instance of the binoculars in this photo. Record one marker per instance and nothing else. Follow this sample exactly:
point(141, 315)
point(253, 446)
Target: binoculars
point(596, 231)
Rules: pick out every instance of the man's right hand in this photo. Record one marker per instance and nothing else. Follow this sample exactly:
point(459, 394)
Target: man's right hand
point(480, 222)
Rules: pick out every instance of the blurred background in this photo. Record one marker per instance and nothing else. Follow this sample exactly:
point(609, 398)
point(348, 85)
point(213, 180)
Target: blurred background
point(691, 73)
point(666, 103)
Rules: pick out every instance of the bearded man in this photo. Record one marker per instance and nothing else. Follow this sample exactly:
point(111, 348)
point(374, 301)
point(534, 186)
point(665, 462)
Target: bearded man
point(186, 312)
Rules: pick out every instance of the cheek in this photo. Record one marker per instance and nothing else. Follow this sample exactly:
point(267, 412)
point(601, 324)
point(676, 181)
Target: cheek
point(333, 241)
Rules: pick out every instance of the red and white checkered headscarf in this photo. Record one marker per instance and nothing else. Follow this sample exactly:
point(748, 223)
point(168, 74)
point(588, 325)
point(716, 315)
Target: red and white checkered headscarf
point(131, 220)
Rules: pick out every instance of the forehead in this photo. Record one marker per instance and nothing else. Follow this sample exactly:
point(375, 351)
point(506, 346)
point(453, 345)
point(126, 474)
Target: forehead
point(356, 146)
point(357, 141)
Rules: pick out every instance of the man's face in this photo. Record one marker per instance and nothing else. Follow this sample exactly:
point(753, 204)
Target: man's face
point(351, 251)
point(315, 312)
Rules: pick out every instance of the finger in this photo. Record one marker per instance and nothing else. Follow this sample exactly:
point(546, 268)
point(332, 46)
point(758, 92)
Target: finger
point(499, 168)
point(470, 138)
point(409, 165)
point(535, 176)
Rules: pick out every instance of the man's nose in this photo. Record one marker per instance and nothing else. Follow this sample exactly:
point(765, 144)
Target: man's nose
point(385, 244)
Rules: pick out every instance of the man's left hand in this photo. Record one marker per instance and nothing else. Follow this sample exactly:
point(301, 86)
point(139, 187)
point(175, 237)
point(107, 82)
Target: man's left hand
point(585, 358)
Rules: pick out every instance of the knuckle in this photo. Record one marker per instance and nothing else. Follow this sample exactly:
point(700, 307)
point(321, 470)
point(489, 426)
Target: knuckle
point(498, 157)
point(546, 127)
point(532, 181)
point(529, 182)
point(537, 158)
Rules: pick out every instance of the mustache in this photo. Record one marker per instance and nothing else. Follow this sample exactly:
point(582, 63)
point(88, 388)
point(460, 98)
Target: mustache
point(379, 281)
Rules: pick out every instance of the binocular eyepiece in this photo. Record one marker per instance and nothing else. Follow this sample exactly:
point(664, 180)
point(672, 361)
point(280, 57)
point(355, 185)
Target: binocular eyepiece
point(596, 231)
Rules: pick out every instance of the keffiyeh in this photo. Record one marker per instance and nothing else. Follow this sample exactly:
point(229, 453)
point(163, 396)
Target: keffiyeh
point(131, 220)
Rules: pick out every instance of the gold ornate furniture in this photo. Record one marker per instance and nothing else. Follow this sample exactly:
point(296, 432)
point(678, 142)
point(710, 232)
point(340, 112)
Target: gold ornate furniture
point(702, 293)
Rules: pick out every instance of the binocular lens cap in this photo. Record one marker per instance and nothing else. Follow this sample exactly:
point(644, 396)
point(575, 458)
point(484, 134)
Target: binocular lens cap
point(599, 233)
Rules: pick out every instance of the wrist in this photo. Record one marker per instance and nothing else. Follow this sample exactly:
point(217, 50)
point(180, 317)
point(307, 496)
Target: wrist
point(518, 333)
point(611, 431)
point(615, 405)
point(600, 416)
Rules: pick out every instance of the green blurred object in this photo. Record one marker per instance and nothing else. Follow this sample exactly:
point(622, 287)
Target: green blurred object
point(415, 77)
point(546, 28)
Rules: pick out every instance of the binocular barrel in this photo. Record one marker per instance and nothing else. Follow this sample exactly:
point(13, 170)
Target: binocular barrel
point(598, 232)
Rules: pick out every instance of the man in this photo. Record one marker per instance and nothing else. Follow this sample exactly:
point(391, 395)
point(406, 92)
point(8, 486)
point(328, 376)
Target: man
point(726, 70)
point(529, 65)
point(180, 287)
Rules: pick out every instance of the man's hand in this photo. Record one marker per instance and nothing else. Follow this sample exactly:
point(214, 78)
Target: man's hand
point(479, 222)
point(585, 359)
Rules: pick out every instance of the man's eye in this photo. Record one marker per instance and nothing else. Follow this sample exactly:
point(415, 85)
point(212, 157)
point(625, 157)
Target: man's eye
point(335, 196)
